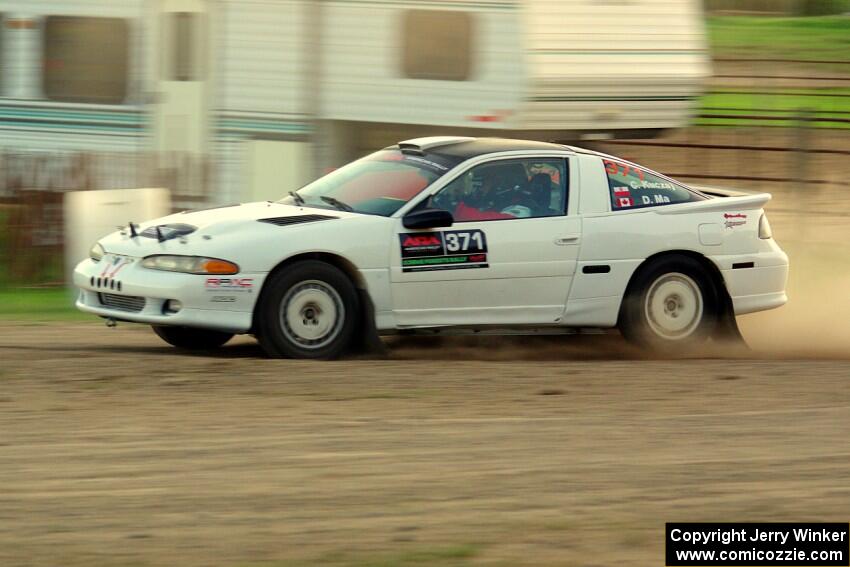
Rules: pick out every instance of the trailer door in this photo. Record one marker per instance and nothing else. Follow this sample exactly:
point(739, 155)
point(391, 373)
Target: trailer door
point(180, 62)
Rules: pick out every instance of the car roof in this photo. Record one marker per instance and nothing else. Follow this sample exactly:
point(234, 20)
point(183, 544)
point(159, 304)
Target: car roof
point(464, 148)
point(458, 149)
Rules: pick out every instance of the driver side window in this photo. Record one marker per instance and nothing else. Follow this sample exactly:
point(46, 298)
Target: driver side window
point(507, 189)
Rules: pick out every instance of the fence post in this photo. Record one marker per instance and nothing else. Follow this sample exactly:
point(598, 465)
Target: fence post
point(800, 175)
point(803, 146)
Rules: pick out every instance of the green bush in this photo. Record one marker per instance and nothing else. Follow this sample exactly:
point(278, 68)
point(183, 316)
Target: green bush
point(4, 246)
point(766, 6)
point(787, 7)
point(824, 7)
point(26, 266)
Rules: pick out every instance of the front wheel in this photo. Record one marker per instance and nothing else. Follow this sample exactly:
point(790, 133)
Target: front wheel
point(191, 339)
point(307, 310)
point(671, 306)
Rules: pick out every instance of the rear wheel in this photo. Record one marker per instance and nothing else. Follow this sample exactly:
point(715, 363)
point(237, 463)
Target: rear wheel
point(671, 306)
point(191, 339)
point(308, 310)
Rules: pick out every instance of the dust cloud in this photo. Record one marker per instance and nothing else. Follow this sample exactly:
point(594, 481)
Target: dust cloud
point(811, 225)
point(815, 323)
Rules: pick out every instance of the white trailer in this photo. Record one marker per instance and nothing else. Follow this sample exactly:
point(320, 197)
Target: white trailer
point(232, 100)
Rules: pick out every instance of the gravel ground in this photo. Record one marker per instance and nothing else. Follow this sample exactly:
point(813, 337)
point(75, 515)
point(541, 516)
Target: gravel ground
point(119, 451)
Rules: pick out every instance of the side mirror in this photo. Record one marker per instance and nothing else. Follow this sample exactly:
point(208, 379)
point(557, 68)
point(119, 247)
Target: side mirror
point(428, 218)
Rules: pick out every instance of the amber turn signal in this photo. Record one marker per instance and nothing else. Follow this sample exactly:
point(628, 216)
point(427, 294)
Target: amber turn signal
point(220, 267)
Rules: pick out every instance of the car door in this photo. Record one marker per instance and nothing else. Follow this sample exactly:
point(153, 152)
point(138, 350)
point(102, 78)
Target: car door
point(508, 258)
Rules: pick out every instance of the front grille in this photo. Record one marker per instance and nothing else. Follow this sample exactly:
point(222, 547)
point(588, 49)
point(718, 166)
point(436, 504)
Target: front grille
point(122, 302)
point(105, 282)
point(296, 219)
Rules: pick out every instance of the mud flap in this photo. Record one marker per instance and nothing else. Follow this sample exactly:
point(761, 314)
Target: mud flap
point(367, 340)
point(727, 332)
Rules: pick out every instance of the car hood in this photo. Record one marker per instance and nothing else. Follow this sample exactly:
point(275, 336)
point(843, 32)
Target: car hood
point(200, 231)
point(227, 214)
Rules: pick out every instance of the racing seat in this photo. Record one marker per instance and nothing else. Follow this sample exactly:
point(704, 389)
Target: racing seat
point(540, 190)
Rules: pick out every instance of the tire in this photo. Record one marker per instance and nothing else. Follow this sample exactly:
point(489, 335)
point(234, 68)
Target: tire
point(307, 310)
point(672, 306)
point(190, 338)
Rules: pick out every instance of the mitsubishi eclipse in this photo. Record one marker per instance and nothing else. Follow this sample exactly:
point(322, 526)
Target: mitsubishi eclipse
point(448, 234)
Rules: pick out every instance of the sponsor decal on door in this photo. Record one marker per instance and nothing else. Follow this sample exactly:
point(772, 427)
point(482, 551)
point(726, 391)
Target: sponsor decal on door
point(449, 250)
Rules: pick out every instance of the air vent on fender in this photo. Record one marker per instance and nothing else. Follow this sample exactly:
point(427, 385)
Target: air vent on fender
point(298, 219)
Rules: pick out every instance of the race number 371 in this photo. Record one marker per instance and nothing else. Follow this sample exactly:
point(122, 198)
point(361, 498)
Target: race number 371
point(465, 241)
point(448, 250)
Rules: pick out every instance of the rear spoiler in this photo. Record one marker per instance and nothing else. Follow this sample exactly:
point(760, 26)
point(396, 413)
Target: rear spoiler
point(720, 191)
point(736, 201)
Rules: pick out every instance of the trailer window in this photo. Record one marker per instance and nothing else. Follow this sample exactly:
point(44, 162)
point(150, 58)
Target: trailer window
point(184, 29)
point(633, 187)
point(85, 59)
point(437, 45)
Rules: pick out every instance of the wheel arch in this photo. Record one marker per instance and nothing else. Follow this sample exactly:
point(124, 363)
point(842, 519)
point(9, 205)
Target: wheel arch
point(369, 338)
point(711, 268)
point(345, 265)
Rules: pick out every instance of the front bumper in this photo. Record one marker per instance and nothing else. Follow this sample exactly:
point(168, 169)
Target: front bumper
point(118, 287)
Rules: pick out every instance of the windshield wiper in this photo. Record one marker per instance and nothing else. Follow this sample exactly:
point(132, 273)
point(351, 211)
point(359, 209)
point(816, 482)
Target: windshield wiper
point(337, 203)
point(299, 200)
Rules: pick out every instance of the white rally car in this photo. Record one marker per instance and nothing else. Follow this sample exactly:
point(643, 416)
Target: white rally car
point(448, 234)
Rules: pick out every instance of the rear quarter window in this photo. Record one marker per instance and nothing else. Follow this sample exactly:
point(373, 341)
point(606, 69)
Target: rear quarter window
point(632, 187)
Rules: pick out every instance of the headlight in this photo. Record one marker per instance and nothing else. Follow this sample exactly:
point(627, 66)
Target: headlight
point(96, 253)
point(764, 228)
point(190, 265)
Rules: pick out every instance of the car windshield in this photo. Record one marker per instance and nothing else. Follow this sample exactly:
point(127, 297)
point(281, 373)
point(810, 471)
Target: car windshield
point(378, 184)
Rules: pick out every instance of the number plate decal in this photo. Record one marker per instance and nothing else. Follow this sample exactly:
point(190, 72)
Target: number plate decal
point(448, 250)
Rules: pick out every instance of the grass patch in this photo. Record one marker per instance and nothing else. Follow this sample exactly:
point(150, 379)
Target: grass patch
point(824, 38)
point(780, 104)
point(450, 556)
point(455, 556)
point(785, 104)
point(28, 304)
point(743, 122)
point(815, 38)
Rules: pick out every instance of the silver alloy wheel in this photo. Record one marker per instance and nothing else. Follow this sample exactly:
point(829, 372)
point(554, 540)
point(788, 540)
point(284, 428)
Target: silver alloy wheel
point(673, 306)
point(311, 314)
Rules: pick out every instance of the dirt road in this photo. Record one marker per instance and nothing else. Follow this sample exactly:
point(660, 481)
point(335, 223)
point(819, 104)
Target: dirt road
point(118, 451)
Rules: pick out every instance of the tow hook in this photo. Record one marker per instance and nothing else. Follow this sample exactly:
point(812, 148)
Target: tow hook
point(110, 322)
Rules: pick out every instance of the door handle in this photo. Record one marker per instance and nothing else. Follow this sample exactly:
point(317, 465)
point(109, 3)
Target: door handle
point(569, 239)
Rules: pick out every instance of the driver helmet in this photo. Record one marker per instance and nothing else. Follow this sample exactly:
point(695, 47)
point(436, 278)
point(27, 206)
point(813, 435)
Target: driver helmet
point(492, 181)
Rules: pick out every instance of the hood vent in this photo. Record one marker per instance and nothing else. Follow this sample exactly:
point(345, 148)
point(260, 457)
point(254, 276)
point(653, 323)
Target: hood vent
point(297, 219)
